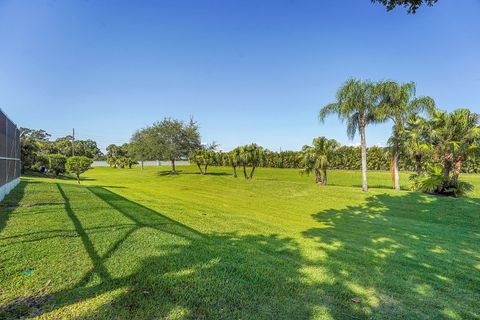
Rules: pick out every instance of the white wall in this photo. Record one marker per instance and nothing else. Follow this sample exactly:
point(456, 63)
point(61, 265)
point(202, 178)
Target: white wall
point(146, 163)
point(6, 188)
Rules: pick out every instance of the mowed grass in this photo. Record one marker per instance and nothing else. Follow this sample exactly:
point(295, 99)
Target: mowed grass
point(132, 244)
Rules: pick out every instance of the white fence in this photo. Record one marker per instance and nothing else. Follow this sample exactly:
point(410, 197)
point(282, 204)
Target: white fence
point(146, 163)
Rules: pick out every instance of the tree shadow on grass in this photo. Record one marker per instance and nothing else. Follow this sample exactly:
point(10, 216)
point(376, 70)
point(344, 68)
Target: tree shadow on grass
point(169, 270)
point(404, 256)
point(410, 255)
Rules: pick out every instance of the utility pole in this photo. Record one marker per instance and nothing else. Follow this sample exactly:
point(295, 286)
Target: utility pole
point(73, 143)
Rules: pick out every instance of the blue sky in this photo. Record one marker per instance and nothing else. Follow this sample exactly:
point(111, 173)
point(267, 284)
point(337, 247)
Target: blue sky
point(248, 71)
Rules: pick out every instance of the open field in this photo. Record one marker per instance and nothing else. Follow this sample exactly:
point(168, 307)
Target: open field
point(132, 244)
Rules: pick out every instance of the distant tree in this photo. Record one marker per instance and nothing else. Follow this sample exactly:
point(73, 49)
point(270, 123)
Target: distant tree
point(78, 165)
point(410, 5)
point(318, 157)
point(399, 103)
point(114, 153)
point(31, 142)
point(250, 155)
point(139, 147)
point(56, 163)
point(357, 104)
point(234, 160)
point(174, 139)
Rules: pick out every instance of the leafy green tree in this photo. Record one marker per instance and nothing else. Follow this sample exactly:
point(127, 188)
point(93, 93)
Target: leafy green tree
point(173, 139)
point(78, 165)
point(139, 147)
point(410, 5)
point(56, 163)
point(358, 105)
point(31, 142)
point(399, 103)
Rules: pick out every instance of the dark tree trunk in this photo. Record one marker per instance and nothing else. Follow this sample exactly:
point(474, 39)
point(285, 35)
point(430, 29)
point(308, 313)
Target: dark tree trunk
point(199, 168)
point(418, 163)
point(458, 167)
point(234, 171)
point(205, 171)
point(324, 182)
point(447, 164)
point(252, 172)
point(173, 166)
point(318, 177)
point(245, 172)
point(142, 164)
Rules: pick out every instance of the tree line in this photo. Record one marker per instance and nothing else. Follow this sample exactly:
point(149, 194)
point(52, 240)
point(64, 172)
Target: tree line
point(437, 145)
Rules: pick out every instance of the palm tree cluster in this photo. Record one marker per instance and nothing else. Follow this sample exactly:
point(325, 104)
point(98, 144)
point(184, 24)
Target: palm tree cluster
point(418, 129)
point(250, 155)
point(317, 158)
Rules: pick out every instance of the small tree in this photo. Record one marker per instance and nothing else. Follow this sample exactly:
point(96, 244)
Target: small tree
point(78, 165)
point(56, 164)
point(318, 158)
point(250, 155)
point(172, 139)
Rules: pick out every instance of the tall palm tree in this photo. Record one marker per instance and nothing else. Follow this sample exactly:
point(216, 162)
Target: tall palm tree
point(358, 105)
point(456, 135)
point(399, 103)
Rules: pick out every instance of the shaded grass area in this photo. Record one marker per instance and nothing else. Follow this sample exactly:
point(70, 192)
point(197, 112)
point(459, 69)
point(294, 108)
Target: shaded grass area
point(141, 245)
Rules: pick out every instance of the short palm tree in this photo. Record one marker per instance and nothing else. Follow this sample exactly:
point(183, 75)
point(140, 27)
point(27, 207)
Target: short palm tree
point(358, 105)
point(250, 155)
point(398, 103)
point(318, 157)
point(233, 159)
point(456, 135)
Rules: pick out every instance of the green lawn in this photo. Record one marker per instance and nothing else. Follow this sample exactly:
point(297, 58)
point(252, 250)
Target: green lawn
point(132, 244)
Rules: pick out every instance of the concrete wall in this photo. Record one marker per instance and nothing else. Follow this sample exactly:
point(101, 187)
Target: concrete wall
point(6, 188)
point(146, 163)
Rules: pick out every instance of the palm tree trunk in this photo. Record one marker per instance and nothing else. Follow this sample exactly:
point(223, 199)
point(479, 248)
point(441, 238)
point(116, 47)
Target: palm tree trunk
point(458, 167)
point(418, 163)
point(234, 171)
point(364, 157)
point(447, 164)
point(245, 172)
point(318, 177)
point(396, 176)
point(251, 173)
point(199, 168)
point(324, 177)
point(205, 171)
point(142, 164)
point(173, 166)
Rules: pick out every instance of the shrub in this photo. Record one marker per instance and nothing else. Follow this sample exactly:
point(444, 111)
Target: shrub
point(78, 165)
point(56, 163)
point(435, 182)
